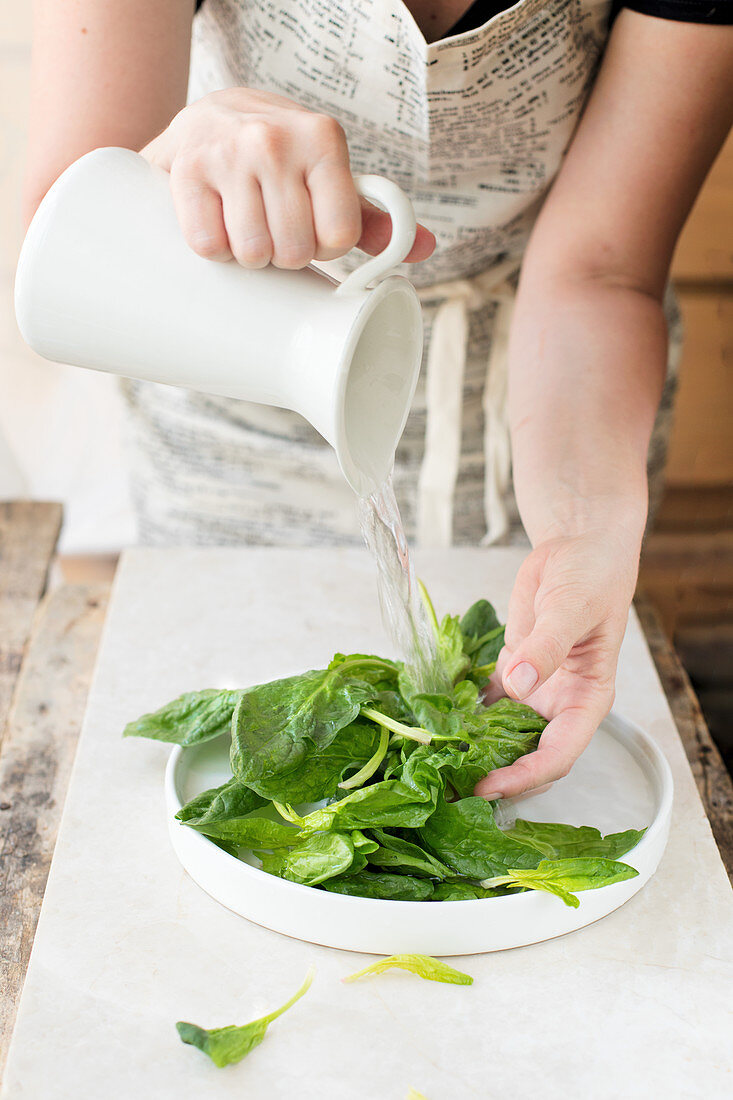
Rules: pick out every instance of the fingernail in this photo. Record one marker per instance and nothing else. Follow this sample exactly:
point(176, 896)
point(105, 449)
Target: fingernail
point(522, 679)
point(492, 796)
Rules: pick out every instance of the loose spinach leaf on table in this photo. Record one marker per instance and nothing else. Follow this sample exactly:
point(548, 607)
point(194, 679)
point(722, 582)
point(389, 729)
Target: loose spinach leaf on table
point(433, 970)
point(190, 719)
point(225, 1045)
point(563, 876)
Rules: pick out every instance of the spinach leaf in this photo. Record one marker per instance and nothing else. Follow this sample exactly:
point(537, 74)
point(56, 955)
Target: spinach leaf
point(401, 729)
point(508, 714)
point(380, 672)
point(448, 640)
point(230, 800)
point(566, 841)
point(277, 725)
point(225, 1045)
point(367, 884)
point(465, 836)
point(562, 876)
point(433, 970)
point(318, 774)
point(464, 767)
point(439, 714)
point(393, 853)
point(483, 640)
point(404, 802)
point(480, 619)
point(249, 832)
point(312, 860)
point(190, 719)
point(372, 765)
point(463, 891)
point(363, 843)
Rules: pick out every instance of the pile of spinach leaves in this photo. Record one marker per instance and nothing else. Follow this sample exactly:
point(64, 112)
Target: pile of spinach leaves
point(391, 770)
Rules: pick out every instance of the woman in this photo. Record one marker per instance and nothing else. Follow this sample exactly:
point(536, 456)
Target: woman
point(475, 120)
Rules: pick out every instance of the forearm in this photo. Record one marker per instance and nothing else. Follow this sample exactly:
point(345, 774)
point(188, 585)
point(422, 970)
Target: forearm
point(586, 366)
point(102, 74)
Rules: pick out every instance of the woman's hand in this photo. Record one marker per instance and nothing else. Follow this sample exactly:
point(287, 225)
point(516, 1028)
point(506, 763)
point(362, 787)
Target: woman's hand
point(259, 178)
point(566, 622)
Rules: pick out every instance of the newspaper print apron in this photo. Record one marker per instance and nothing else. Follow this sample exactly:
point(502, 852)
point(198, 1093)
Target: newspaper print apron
point(474, 128)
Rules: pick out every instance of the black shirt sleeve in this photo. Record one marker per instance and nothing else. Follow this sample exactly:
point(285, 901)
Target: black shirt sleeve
point(684, 11)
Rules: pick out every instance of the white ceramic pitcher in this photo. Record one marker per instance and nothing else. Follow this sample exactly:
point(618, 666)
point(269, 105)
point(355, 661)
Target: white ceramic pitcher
point(105, 280)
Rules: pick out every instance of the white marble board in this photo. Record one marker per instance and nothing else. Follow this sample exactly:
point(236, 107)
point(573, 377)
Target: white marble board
point(637, 1005)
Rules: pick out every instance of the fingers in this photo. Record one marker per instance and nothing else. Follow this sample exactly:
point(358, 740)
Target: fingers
point(560, 745)
point(336, 209)
point(246, 226)
point(290, 222)
point(377, 229)
point(563, 620)
point(259, 178)
point(199, 212)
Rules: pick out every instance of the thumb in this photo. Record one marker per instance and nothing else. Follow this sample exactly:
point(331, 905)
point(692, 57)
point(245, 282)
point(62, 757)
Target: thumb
point(561, 623)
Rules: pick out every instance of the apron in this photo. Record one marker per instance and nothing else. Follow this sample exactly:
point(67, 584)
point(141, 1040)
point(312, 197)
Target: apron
point(473, 128)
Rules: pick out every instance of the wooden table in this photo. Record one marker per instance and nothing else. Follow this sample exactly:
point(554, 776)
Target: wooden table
point(48, 643)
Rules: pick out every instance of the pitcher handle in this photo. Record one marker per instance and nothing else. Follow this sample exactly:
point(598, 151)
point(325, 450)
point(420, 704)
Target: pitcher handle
point(385, 193)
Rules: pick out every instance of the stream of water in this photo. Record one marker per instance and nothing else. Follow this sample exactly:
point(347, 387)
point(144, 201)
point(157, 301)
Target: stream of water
point(403, 611)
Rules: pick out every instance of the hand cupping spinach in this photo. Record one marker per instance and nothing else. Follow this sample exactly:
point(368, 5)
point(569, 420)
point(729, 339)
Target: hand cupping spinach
point(391, 770)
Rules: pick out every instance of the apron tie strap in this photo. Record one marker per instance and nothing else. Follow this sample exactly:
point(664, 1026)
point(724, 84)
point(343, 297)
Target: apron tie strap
point(446, 363)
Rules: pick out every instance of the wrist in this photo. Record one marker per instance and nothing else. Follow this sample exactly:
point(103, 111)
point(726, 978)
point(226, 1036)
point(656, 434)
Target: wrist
point(619, 516)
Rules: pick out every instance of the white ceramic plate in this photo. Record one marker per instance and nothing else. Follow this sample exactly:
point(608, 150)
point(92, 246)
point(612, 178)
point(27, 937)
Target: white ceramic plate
point(622, 781)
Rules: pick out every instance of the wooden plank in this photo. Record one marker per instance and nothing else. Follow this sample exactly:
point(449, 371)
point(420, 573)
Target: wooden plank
point(705, 559)
point(705, 249)
point(713, 780)
point(700, 451)
point(695, 508)
point(28, 534)
point(35, 763)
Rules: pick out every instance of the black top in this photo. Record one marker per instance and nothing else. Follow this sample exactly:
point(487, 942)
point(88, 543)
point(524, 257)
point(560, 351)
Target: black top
point(685, 11)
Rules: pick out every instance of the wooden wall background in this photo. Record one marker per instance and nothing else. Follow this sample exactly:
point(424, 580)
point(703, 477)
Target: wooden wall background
point(687, 565)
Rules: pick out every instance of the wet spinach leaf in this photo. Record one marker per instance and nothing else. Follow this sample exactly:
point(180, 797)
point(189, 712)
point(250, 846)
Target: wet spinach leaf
point(278, 725)
point(230, 800)
point(312, 860)
point(190, 719)
point(563, 876)
point(465, 836)
point(457, 890)
point(249, 832)
point(567, 841)
point(368, 884)
point(392, 853)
